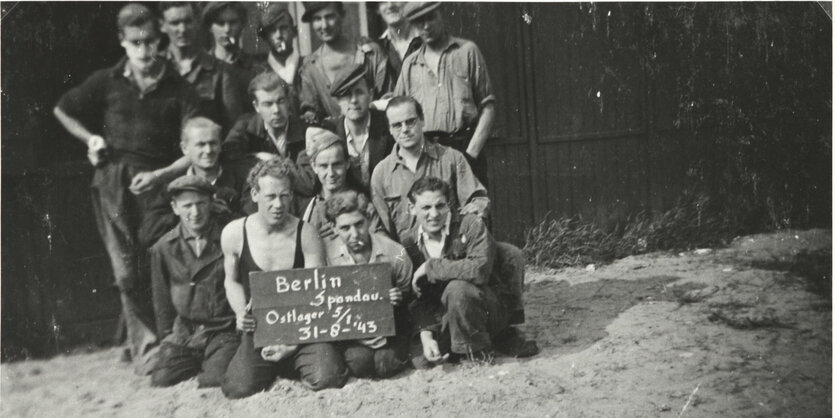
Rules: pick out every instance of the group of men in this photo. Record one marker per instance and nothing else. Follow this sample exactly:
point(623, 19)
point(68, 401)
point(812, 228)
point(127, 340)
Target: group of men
point(362, 152)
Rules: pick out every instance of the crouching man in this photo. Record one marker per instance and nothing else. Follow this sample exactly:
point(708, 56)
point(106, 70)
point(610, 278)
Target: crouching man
point(195, 323)
point(272, 239)
point(462, 304)
point(347, 211)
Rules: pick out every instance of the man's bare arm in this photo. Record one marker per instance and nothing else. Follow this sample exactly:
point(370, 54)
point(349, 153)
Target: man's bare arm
point(231, 241)
point(482, 130)
point(73, 126)
point(145, 181)
point(312, 247)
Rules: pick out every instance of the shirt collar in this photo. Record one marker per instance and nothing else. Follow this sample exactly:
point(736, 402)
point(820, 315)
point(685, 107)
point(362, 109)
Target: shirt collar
point(191, 172)
point(451, 41)
point(429, 149)
point(349, 137)
point(421, 236)
point(376, 250)
point(186, 234)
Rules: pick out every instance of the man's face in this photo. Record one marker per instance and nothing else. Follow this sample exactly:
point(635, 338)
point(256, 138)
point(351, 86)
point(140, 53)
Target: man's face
point(405, 126)
point(193, 210)
point(281, 39)
point(274, 198)
point(331, 168)
point(391, 12)
point(202, 147)
point(354, 105)
point(140, 44)
point(352, 228)
point(327, 24)
point(227, 27)
point(430, 211)
point(430, 27)
point(273, 107)
point(178, 24)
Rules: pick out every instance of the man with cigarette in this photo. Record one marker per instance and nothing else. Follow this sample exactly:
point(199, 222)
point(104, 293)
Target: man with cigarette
point(277, 28)
point(348, 212)
point(225, 21)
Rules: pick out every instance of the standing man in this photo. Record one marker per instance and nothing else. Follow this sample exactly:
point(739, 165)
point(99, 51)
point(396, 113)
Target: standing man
point(272, 239)
point(279, 31)
point(200, 143)
point(272, 131)
point(365, 131)
point(128, 116)
point(225, 21)
point(448, 76)
point(195, 322)
point(400, 38)
point(462, 303)
point(222, 96)
point(337, 52)
point(412, 158)
point(347, 211)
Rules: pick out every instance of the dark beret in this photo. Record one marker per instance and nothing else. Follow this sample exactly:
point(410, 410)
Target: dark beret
point(212, 8)
point(413, 11)
point(346, 79)
point(311, 7)
point(190, 183)
point(271, 17)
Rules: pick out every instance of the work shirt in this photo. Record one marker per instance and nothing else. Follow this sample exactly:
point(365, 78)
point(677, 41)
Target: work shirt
point(222, 93)
point(376, 147)
point(395, 59)
point(392, 180)
point(134, 123)
point(315, 91)
point(189, 286)
point(453, 97)
point(383, 250)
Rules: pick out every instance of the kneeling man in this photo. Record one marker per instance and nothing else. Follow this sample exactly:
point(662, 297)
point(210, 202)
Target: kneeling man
point(347, 211)
point(462, 303)
point(269, 240)
point(193, 319)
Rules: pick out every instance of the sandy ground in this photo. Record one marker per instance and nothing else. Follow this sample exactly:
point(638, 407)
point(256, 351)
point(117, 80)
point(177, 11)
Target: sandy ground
point(735, 332)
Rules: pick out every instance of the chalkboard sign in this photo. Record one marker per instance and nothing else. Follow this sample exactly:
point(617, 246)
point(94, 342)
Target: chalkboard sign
point(304, 306)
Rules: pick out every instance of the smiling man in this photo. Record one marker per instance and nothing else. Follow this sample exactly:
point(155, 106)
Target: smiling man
point(337, 52)
point(222, 97)
point(462, 304)
point(129, 117)
point(269, 240)
point(195, 322)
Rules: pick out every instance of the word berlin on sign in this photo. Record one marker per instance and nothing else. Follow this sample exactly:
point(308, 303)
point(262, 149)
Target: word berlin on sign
point(304, 306)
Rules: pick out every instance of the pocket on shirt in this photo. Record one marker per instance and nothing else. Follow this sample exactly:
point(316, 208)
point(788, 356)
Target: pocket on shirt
point(462, 93)
point(398, 212)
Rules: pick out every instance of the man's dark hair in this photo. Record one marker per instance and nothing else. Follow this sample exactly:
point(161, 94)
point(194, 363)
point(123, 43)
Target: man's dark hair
point(135, 15)
point(346, 202)
point(215, 11)
point(165, 5)
point(401, 100)
point(268, 81)
point(429, 184)
point(278, 168)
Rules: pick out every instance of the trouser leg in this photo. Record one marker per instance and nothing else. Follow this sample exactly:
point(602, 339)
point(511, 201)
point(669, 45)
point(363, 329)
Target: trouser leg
point(248, 373)
point(321, 366)
point(392, 357)
point(472, 315)
point(221, 348)
point(176, 364)
point(359, 359)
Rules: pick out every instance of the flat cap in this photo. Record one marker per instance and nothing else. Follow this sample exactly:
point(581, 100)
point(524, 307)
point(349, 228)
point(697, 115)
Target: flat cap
point(190, 183)
point(212, 8)
point(272, 16)
point(317, 139)
point(346, 79)
point(311, 7)
point(416, 10)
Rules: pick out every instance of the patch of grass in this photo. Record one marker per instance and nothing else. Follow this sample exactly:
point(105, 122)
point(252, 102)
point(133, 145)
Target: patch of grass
point(692, 223)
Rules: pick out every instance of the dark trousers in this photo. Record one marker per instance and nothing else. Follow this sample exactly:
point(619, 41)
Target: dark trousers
point(118, 214)
point(319, 365)
point(363, 361)
point(178, 363)
point(472, 316)
point(460, 142)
